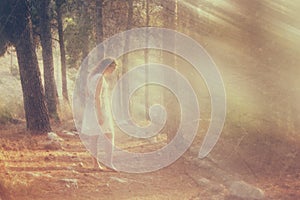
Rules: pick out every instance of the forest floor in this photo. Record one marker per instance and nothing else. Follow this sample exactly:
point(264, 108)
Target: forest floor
point(31, 169)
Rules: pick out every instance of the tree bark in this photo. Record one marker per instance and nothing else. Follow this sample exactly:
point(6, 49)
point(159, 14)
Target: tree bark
point(146, 53)
point(128, 27)
point(170, 21)
point(83, 32)
point(99, 22)
point(46, 42)
point(62, 51)
point(125, 88)
point(36, 112)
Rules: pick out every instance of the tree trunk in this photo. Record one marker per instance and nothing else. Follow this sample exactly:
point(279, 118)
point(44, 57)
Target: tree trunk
point(125, 87)
point(99, 25)
point(36, 113)
point(62, 51)
point(128, 27)
point(146, 53)
point(46, 41)
point(99, 22)
point(170, 60)
point(83, 32)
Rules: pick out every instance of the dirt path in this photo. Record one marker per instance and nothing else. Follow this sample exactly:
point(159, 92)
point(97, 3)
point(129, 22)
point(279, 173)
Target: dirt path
point(30, 170)
point(33, 171)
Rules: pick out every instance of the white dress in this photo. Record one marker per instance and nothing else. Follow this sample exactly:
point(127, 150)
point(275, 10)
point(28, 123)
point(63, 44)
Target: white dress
point(90, 125)
point(105, 100)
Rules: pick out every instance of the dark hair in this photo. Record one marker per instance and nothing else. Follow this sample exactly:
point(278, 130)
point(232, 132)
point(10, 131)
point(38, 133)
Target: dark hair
point(106, 62)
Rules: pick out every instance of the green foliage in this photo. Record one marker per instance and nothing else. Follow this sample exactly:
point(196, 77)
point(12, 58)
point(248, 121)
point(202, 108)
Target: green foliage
point(78, 32)
point(73, 44)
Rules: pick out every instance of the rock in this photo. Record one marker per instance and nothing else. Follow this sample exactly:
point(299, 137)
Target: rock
point(217, 188)
point(203, 182)
point(214, 187)
point(68, 133)
point(34, 174)
point(120, 180)
point(54, 137)
point(80, 164)
point(205, 165)
point(245, 191)
point(70, 182)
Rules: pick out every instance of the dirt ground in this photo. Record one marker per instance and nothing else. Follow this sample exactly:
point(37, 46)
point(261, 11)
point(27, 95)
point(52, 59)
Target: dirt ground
point(31, 169)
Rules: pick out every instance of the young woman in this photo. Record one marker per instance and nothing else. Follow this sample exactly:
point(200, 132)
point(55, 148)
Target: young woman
point(99, 97)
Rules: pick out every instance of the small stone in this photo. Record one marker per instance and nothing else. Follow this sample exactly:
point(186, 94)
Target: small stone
point(54, 137)
point(68, 133)
point(217, 188)
point(120, 180)
point(243, 190)
point(80, 164)
point(34, 174)
point(203, 182)
point(70, 182)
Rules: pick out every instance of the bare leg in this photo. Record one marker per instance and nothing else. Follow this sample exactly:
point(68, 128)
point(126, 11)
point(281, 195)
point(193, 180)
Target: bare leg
point(95, 163)
point(104, 146)
point(94, 150)
point(109, 148)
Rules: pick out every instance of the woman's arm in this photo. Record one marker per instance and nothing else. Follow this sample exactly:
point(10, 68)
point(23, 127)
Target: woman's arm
point(98, 101)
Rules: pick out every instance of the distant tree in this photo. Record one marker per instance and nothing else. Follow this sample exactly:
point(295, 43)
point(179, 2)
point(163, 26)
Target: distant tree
point(58, 9)
point(129, 25)
point(78, 34)
point(47, 53)
point(170, 21)
point(99, 23)
point(124, 69)
point(146, 53)
point(85, 29)
point(16, 29)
